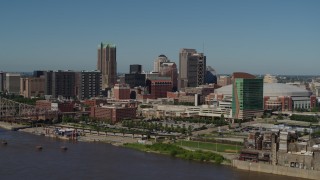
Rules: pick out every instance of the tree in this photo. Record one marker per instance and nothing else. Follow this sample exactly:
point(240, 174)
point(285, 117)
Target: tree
point(280, 117)
point(189, 130)
point(67, 119)
point(222, 117)
point(166, 128)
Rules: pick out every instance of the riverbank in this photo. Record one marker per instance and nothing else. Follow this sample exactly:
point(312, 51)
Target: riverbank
point(118, 140)
point(179, 152)
point(21, 160)
point(12, 126)
point(114, 139)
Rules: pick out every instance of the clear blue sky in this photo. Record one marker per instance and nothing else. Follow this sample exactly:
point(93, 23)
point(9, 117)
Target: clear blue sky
point(255, 36)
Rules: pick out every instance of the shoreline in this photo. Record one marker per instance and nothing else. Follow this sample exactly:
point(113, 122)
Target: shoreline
point(113, 139)
point(110, 138)
point(12, 126)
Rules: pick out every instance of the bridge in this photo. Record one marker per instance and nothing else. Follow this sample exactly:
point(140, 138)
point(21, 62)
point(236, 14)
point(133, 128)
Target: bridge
point(14, 111)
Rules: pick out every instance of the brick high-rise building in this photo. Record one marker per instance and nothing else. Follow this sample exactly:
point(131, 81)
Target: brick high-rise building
point(13, 83)
point(32, 86)
point(159, 88)
point(121, 91)
point(169, 69)
point(156, 89)
point(107, 64)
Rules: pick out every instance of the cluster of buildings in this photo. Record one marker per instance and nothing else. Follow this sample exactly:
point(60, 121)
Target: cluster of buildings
point(192, 85)
point(283, 148)
point(276, 97)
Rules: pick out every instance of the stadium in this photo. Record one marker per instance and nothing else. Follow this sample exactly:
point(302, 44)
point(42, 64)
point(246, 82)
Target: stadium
point(277, 96)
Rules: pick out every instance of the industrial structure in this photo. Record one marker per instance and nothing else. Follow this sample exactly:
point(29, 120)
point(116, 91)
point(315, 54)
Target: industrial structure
point(282, 148)
point(13, 111)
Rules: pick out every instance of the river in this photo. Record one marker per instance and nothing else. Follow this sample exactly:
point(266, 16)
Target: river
point(21, 160)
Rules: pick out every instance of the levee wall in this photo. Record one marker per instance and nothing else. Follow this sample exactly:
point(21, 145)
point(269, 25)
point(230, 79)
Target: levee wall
point(279, 170)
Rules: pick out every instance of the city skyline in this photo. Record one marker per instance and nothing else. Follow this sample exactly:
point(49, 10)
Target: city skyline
point(256, 37)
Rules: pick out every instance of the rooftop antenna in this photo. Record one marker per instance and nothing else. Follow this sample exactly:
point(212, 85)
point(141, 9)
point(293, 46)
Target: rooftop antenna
point(203, 47)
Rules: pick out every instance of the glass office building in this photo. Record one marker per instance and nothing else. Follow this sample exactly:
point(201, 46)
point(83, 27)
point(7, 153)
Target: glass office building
point(247, 98)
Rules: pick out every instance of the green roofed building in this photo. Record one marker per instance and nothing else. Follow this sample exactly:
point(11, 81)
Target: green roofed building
point(247, 96)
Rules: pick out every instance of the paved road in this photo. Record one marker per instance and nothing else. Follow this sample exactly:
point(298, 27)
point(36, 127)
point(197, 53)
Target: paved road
point(210, 130)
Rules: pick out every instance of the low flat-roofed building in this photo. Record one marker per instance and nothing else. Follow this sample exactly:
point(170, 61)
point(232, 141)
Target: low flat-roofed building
point(112, 113)
point(121, 91)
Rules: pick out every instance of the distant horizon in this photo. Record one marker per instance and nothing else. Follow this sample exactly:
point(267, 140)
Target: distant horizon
point(258, 37)
point(120, 73)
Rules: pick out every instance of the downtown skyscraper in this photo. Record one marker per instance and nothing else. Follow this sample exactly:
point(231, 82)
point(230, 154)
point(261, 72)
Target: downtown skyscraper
point(192, 68)
point(107, 64)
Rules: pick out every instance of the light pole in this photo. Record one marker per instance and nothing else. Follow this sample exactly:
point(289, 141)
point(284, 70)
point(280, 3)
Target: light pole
point(216, 146)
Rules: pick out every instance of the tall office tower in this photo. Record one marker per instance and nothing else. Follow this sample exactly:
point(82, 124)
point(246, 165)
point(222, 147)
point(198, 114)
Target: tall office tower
point(107, 64)
point(48, 82)
point(157, 63)
point(135, 69)
point(60, 83)
point(13, 83)
point(247, 96)
point(88, 84)
point(2, 81)
point(170, 70)
point(192, 68)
